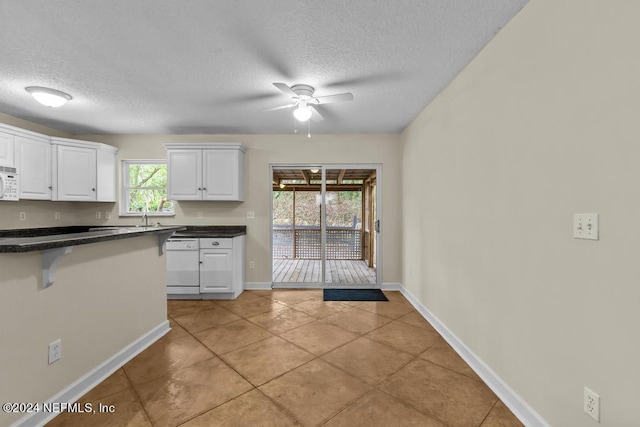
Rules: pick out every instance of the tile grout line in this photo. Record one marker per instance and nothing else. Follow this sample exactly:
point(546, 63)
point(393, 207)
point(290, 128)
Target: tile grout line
point(254, 387)
point(137, 395)
point(370, 387)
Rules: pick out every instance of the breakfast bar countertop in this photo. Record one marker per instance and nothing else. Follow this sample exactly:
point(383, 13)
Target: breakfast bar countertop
point(39, 239)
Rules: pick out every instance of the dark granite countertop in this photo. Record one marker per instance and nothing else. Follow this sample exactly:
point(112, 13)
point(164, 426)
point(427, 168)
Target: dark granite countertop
point(212, 231)
point(38, 239)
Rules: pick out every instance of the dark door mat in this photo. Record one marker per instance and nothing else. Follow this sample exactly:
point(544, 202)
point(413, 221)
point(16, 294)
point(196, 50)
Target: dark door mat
point(353, 295)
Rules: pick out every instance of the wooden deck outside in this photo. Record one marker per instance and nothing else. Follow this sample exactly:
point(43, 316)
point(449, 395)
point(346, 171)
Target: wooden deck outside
point(310, 271)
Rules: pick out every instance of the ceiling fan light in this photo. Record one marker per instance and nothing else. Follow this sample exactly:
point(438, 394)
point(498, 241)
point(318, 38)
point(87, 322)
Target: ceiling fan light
point(48, 97)
point(315, 170)
point(302, 113)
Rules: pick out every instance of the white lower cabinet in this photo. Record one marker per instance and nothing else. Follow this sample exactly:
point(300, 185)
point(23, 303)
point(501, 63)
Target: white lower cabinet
point(222, 267)
point(216, 270)
point(220, 271)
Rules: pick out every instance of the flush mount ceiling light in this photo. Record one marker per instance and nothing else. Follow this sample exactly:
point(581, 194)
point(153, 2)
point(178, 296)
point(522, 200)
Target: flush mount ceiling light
point(48, 97)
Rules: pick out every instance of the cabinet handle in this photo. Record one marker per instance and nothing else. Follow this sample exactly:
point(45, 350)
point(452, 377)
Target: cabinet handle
point(204, 188)
point(199, 189)
point(50, 188)
point(215, 243)
point(93, 189)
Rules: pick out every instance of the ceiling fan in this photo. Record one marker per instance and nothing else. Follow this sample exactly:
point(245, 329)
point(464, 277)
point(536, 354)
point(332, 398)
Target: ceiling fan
point(304, 102)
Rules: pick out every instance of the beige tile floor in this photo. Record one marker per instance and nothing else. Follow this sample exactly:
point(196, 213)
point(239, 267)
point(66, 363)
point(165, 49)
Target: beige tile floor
point(287, 358)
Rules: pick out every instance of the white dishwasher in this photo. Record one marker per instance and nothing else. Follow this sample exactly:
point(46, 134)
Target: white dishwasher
point(183, 267)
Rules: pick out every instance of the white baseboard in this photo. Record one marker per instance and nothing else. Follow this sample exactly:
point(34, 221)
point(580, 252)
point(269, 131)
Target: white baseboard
point(389, 286)
point(267, 286)
point(521, 409)
point(257, 286)
point(94, 377)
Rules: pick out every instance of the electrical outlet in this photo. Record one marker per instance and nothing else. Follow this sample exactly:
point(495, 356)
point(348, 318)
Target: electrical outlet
point(107, 215)
point(56, 215)
point(251, 214)
point(199, 215)
point(55, 351)
point(252, 265)
point(585, 226)
point(23, 216)
point(98, 215)
point(592, 404)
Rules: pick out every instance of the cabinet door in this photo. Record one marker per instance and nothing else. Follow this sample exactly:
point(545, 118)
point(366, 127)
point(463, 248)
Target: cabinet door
point(33, 159)
point(7, 150)
point(76, 173)
point(222, 175)
point(216, 270)
point(185, 174)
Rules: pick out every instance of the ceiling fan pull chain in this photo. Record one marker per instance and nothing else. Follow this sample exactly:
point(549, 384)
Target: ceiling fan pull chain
point(308, 128)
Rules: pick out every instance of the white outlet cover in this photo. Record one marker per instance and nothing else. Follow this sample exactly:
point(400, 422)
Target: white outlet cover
point(585, 226)
point(251, 214)
point(55, 351)
point(591, 404)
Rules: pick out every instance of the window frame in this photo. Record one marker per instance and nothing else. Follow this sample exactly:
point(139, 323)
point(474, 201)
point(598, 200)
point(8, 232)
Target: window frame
point(124, 188)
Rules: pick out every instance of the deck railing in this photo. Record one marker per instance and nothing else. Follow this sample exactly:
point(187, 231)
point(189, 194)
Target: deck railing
point(306, 243)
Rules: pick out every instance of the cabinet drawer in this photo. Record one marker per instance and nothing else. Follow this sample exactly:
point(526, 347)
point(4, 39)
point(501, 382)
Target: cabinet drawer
point(216, 243)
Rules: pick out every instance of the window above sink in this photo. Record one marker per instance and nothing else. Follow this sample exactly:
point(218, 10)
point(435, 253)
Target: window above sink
point(144, 189)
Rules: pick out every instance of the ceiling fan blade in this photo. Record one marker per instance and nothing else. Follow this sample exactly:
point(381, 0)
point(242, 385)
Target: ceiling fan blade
point(282, 107)
point(315, 114)
point(341, 97)
point(286, 90)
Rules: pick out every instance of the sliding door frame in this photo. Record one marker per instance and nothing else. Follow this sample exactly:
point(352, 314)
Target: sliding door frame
point(378, 214)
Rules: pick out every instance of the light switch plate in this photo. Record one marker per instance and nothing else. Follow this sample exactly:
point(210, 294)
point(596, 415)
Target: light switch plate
point(585, 226)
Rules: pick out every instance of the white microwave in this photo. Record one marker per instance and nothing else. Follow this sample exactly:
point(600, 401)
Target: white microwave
point(8, 183)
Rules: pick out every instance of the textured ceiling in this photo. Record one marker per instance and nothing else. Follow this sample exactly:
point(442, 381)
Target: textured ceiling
point(207, 66)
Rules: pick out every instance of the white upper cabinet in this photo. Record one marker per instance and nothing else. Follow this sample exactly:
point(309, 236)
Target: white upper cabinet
point(33, 160)
point(30, 153)
point(7, 157)
point(184, 169)
point(83, 171)
point(208, 171)
point(106, 179)
point(75, 173)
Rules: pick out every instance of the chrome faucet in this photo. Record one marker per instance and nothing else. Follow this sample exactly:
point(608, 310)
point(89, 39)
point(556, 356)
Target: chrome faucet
point(145, 219)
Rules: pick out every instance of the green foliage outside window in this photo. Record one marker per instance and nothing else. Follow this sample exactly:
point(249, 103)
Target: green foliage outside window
point(146, 187)
point(344, 208)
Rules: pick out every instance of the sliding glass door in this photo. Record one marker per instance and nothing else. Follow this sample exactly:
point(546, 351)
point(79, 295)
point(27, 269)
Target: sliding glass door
point(322, 226)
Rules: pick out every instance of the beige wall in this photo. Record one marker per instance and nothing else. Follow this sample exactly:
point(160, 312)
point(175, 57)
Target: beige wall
point(541, 125)
point(101, 302)
point(262, 150)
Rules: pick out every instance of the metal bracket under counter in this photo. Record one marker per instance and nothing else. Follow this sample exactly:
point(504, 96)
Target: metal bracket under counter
point(162, 238)
point(50, 258)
